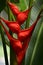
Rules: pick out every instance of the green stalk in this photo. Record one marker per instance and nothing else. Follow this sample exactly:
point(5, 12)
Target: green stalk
point(27, 21)
point(12, 54)
point(6, 10)
point(4, 46)
point(29, 16)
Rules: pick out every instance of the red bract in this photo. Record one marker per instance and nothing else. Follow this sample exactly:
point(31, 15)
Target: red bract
point(21, 16)
point(21, 54)
point(13, 8)
point(15, 43)
point(24, 34)
point(13, 26)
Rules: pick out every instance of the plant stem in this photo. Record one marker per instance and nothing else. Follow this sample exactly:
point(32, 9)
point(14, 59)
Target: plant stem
point(28, 20)
point(29, 16)
point(12, 54)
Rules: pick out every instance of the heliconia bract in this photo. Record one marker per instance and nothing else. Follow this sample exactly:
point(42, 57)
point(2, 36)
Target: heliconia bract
point(13, 26)
point(13, 8)
point(22, 16)
point(21, 54)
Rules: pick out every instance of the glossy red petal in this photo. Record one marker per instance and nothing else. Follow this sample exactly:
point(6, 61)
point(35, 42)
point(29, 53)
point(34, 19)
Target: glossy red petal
point(13, 26)
point(22, 16)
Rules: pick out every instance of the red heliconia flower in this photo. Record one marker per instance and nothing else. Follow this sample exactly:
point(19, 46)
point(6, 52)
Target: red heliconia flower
point(20, 56)
point(13, 26)
point(24, 34)
point(20, 16)
point(15, 43)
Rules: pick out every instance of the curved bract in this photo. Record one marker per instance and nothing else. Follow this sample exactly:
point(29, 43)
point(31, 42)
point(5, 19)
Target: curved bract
point(13, 26)
point(13, 8)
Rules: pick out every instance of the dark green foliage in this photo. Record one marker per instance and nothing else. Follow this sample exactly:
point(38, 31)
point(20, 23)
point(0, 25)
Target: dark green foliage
point(2, 4)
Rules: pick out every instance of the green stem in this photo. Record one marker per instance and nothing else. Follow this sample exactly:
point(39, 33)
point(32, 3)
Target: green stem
point(12, 16)
point(4, 46)
point(28, 20)
point(12, 54)
point(29, 16)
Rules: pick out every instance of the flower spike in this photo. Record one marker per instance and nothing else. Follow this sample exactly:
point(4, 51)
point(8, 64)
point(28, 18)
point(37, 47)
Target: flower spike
point(13, 26)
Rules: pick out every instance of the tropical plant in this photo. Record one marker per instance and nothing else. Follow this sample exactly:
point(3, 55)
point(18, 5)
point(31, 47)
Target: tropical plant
point(25, 20)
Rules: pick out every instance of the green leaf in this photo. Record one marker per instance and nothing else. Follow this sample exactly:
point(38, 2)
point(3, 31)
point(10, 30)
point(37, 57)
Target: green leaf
point(30, 3)
point(2, 4)
point(37, 55)
point(21, 3)
point(35, 10)
point(34, 51)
